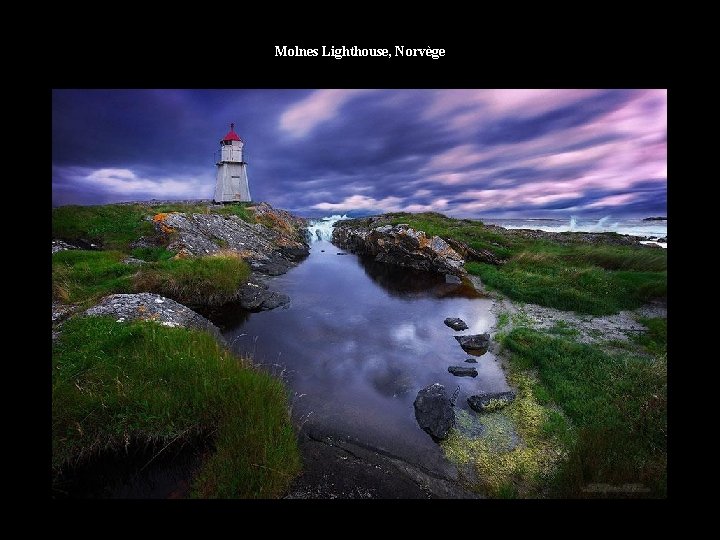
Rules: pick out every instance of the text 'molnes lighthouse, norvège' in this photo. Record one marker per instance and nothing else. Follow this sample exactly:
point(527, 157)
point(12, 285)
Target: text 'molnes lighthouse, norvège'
point(343, 51)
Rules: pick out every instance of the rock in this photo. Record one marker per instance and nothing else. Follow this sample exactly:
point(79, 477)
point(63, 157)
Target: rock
point(663, 239)
point(60, 245)
point(470, 254)
point(453, 280)
point(463, 371)
point(146, 242)
point(272, 246)
point(474, 343)
point(456, 324)
point(61, 311)
point(132, 261)
point(490, 402)
point(471, 361)
point(255, 296)
point(149, 306)
point(400, 246)
point(434, 412)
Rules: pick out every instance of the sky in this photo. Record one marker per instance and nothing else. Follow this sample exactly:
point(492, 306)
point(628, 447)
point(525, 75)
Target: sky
point(465, 153)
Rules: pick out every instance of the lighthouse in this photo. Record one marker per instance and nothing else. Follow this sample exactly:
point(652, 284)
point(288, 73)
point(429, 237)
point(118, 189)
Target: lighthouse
point(232, 182)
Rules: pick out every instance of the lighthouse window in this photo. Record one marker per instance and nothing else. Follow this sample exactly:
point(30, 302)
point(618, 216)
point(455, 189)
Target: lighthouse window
point(235, 176)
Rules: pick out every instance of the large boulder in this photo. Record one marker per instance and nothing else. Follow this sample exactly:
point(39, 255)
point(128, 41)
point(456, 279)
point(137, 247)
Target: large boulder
point(153, 307)
point(434, 411)
point(476, 343)
point(399, 245)
point(490, 402)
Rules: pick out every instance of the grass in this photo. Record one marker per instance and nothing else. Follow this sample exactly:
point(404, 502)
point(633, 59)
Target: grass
point(566, 274)
point(115, 226)
point(617, 402)
point(112, 226)
point(116, 382)
point(592, 421)
point(655, 339)
point(212, 280)
point(82, 277)
point(152, 254)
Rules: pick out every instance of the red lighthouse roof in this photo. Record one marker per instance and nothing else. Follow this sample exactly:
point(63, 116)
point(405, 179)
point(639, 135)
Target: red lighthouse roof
point(231, 135)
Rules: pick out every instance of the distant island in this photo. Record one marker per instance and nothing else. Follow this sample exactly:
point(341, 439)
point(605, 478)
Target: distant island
point(658, 218)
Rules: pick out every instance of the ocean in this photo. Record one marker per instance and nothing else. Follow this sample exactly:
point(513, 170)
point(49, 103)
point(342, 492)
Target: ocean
point(636, 227)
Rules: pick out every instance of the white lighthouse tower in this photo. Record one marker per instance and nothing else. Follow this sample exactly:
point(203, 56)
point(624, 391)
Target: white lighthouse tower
point(232, 181)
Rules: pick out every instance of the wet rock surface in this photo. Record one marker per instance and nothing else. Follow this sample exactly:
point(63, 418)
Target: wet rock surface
point(476, 343)
point(339, 467)
point(463, 371)
point(490, 402)
point(256, 296)
point(434, 411)
point(153, 307)
point(456, 324)
point(399, 245)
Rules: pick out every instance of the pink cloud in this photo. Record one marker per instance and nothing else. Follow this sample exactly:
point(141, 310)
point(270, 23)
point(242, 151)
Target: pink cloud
point(320, 106)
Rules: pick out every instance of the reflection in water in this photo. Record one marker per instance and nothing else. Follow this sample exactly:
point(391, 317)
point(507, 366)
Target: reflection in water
point(357, 342)
point(411, 283)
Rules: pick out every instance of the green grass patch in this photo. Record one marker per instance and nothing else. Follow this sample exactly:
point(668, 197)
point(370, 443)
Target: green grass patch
point(212, 280)
point(152, 254)
point(503, 319)
point(587, 289)
point(113, 226)
point(85, 276)
point(655, 339)
point(114, 382)
point(80, 276)
point(616, 401)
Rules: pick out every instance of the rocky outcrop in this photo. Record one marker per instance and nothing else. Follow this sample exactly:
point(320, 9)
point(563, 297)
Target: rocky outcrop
point(152, 307)
point(491, 402)
point(398, 245)
point(271, 246)
point(434, 411)
point(471, 254)
point(477, 343)
point(463, 371)
point(456, 324)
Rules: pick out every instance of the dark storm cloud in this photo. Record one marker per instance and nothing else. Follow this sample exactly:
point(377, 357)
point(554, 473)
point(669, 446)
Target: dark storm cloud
point(466, 152)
